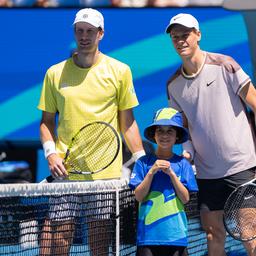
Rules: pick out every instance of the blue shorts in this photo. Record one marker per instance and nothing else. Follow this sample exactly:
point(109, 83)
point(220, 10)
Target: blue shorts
point(213, 193)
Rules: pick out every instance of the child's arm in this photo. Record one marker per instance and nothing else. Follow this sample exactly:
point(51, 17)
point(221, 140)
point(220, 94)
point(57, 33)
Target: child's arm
point(143, 189)
point(180, 189)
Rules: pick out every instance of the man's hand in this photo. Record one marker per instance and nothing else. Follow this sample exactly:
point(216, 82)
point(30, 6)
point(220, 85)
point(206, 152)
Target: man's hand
point(56, 166)
point(187, 155)
point(188, 150)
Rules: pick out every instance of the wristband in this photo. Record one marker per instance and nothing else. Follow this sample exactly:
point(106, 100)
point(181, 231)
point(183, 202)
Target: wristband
point(49, 148)
point(138, 154)
point(188, 147)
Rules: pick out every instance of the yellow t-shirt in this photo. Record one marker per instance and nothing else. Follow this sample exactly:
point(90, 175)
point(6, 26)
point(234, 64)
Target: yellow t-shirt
point(81, 96)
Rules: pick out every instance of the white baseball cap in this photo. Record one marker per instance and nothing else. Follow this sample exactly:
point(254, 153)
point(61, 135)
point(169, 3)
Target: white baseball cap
point(184, 19)
point(90, 16)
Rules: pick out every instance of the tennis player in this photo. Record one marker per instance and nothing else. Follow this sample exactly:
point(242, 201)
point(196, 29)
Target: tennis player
point(211, 90)
point(89, 86)
point(162, 182)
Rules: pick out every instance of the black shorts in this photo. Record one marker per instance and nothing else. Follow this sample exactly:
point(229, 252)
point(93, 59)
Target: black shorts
point(213, 193)
point(161, 250)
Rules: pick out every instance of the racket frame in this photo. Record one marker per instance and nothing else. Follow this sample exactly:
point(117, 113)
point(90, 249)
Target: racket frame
point(72, 142)
point(50, 178)
point(251, 182)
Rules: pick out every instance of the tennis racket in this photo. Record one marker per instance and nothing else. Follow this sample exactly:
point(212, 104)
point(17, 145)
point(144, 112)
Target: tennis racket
point(93, 148)
point(240, 212)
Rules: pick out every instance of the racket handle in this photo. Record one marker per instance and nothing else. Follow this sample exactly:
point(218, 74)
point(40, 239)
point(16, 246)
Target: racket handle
point(49, 179)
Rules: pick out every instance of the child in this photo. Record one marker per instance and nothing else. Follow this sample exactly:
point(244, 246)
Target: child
point(162, 182)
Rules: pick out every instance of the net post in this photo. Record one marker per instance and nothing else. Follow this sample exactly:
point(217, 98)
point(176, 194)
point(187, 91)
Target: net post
point(117, 222)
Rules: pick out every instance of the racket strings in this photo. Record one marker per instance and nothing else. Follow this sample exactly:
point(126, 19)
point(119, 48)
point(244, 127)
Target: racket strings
point(93, 148)
point(240, 213)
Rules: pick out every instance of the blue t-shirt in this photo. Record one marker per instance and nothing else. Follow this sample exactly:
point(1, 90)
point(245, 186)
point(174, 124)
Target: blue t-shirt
point(162, 219)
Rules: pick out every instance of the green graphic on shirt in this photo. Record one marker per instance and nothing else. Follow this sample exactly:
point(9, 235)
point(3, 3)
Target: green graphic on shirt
point(160, 208)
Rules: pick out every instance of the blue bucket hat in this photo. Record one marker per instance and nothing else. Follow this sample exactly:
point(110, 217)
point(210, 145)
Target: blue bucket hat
point(168, 117)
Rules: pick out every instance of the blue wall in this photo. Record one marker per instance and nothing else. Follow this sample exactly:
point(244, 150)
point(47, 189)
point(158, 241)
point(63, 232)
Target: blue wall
point(34, 39)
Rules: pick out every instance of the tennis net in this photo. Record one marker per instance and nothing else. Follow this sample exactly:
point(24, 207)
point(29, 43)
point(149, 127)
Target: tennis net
point(80, 218)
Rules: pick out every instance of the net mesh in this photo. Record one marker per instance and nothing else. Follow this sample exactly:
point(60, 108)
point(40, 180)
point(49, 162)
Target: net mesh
point(197, 238)
point(90, 218)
